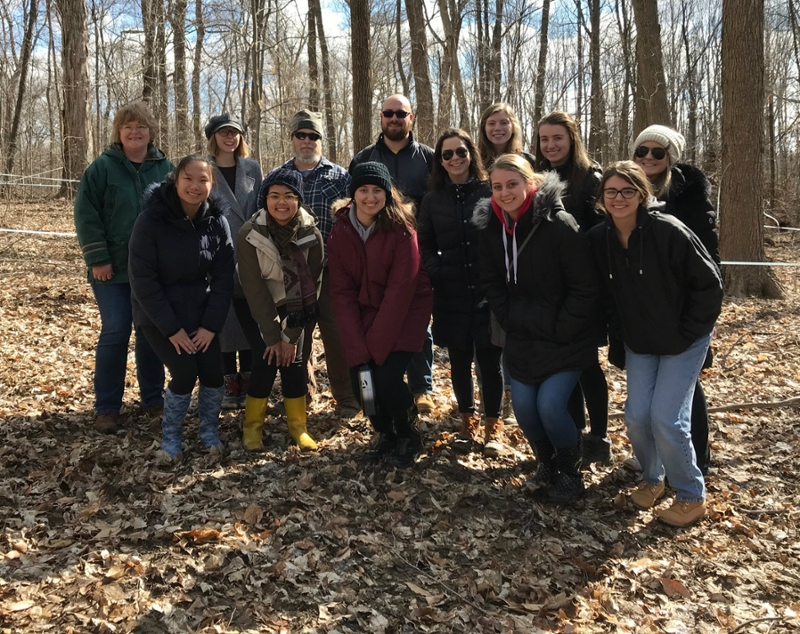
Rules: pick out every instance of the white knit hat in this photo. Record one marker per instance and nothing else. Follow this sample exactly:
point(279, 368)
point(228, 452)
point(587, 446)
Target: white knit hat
point(672, 141)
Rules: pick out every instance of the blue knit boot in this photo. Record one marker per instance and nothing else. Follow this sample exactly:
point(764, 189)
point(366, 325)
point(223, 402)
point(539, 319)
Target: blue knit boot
point(209, 403)
point(175, 408)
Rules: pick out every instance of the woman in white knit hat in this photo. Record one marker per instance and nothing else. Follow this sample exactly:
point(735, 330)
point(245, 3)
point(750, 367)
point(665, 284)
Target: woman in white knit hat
point(686, 194)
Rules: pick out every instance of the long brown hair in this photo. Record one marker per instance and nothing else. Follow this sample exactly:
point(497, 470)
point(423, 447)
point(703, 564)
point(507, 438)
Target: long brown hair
point(438, 176)
point(578, 156)
point(631, 173)
point(397, 211)
point(514, 145)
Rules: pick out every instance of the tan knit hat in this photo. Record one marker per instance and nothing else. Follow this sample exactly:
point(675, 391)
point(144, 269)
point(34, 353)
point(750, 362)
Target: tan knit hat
point(307, 120)
point(672, 141)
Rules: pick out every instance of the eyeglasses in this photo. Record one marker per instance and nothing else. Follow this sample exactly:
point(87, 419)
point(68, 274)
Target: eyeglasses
point(276, 198)
point(302, 136)
point(461, 152)
point(400, 114)
point(627, 192)
point(137, 128)
point(228, 132)
point(658, 153)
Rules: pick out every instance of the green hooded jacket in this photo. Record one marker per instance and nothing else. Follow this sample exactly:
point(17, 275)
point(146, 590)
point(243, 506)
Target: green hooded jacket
point(108, 201)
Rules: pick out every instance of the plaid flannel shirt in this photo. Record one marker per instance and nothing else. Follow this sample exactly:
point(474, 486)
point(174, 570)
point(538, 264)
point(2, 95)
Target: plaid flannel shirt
point(326, 183)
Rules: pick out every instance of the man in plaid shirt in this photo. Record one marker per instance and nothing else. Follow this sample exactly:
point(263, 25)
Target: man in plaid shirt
point(323, 183)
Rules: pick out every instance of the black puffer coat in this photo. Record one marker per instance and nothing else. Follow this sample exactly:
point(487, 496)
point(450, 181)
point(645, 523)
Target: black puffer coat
point(665, 291)
point(581, 204)
point(181, 270)
point(551, 314)
point(689, 200)
point(448, 243)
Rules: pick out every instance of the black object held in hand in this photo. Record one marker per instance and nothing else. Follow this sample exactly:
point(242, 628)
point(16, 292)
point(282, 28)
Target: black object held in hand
point(367, 386)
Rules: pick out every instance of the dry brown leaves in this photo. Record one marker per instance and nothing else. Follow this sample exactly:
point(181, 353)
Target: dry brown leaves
point(99, 537)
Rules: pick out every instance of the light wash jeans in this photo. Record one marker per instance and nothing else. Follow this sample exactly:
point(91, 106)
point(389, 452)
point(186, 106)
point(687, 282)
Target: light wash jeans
point(541, 409)
point(658, 415)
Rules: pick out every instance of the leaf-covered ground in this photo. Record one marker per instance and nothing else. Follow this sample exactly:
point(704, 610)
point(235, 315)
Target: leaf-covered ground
point(98, 536)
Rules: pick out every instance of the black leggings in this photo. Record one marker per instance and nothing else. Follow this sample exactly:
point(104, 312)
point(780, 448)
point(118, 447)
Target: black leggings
point(592, 387)
point(488, 361)
point(229, 361)
point(185, 368)
point(700, 428)
point(262, 374)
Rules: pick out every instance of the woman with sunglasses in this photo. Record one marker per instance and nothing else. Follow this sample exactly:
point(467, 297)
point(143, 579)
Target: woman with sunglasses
point(280, 271)
point(685, 192)
point(237, 179)
point(665, 293)
point(540, 282)
point(448, 242)
point(382, 300)
point(559, 148)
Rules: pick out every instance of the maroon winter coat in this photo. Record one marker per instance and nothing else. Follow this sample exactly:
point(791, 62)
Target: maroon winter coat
point(380, 291)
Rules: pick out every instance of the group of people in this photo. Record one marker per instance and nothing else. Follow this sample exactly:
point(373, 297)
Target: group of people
point(527, 263)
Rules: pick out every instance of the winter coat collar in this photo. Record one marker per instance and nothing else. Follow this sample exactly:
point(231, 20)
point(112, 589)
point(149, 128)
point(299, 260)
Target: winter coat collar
point(381, 144)
point(115, 152)
point(546, 203)
point(161, 202)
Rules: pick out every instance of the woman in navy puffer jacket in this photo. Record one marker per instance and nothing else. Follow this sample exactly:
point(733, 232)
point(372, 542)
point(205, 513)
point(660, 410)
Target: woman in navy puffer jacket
point(181, 270)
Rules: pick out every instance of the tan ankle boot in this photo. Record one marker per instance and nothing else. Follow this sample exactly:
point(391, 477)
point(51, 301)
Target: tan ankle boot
point(493, 437)
point(466, 435)
point(682, 514)
point(296, 421)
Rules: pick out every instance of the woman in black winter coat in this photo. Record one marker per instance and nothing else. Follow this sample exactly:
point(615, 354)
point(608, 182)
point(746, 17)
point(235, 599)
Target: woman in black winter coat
point(539, 278)
point(181, 271)
point(686, 192)
point(559, 148)
point(665, 294)
point(448, 242)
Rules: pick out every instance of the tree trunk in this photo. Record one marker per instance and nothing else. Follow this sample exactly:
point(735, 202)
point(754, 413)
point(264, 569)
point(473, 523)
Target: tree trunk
point(182, 132)
point(541, 68)
point(419, 63)
point(149, 80)
point(161, 109)
point(624, 26)
point(482, 19)
point(741, 230)
point(597, 99)
point(313, 69)
point(496, 67)
point(579, 92)
point(200, 29)
point(651, 87)
point(362, 74)
point(22, 81)
point(333, 150)
point(398, 18)
point(75, 70)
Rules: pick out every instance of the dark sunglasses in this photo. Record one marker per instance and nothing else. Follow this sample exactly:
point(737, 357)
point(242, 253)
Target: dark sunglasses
point(657, 152)
point(400, 114)
point(461, 152)
point(310, 135)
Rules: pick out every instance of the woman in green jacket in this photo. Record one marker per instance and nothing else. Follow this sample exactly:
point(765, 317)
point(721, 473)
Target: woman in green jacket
point(108, 201)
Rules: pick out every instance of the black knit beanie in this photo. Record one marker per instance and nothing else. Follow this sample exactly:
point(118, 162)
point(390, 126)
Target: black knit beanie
point(371, 173)
point(281, 176)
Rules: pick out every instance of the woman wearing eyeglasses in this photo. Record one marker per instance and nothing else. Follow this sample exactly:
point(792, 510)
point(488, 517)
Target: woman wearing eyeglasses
point(665, 295)
point(559, 148)
point(448, 242)
point(685, 192)
point(109, 199)
point(280, 270)
point(237, 179)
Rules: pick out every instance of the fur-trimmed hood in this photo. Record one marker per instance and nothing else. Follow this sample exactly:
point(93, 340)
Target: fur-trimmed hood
point(338, 206)
point(161, 201)
point(546, 203)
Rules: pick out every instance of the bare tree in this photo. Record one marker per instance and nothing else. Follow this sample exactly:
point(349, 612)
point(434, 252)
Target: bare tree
point(177, 18)
point(327, 87)
point(651, 104)
point(741, 231)
point(362, 76)
point(541, 68)
point(419, 63)
point(200, 34)
point(597, 100)
point(313, 68)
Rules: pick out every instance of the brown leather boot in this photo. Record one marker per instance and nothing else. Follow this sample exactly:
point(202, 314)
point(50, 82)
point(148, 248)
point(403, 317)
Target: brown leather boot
point(466, 435)
point(492, 437)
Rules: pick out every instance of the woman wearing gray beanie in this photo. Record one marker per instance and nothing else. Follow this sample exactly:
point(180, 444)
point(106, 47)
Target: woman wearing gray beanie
point(686, 194)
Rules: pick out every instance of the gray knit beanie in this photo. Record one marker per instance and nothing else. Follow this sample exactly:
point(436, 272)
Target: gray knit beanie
point(307, 120)
point(672, 141)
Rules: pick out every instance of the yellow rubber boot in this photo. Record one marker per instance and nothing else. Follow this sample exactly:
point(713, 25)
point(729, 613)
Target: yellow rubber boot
point(296, 420)
point(254, 410)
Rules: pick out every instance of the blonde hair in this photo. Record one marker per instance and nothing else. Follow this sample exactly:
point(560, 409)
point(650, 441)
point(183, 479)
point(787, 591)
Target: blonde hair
point(518, 164)
point(632, 174)
point(133, 111)
point(242, 150)
point(514, 144)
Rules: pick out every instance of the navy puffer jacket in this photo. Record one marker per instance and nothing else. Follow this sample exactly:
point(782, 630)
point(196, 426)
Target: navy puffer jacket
point(181, 270)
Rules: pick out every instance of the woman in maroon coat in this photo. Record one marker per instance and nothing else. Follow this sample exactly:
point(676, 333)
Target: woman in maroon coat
point(382, 300)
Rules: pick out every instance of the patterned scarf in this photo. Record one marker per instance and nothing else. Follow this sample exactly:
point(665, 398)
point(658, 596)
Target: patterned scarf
point(301, 292)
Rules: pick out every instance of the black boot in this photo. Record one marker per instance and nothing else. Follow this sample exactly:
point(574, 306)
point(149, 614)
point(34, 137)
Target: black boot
point(597, 449)
point(384, 441)
point(568, 484)
point(546, 469)
point(409, 441)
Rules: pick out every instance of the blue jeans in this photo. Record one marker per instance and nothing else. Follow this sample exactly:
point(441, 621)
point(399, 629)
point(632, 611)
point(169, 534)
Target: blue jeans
point(420, 369)
point(541, 409)
point(111, 355)
point(658, 415)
